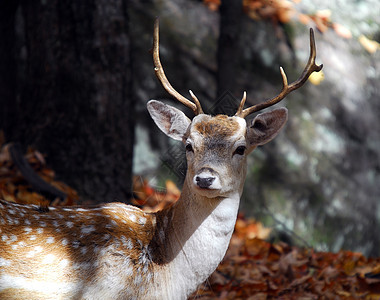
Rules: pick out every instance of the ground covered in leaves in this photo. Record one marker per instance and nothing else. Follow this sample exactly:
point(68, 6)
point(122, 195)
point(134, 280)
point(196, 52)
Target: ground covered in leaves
point(256, 269)
point(252, 267)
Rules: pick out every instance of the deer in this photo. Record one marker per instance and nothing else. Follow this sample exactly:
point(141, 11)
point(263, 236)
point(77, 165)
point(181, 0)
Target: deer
point(118, 251)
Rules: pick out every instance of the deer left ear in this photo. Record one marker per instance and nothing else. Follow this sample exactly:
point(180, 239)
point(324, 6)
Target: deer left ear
point(265, 127)
point(170, 120)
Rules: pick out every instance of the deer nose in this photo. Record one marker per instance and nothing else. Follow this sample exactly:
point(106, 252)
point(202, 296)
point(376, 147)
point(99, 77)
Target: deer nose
point(204, 182)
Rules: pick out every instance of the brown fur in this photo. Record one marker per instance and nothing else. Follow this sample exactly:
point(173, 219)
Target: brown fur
point(220, 126)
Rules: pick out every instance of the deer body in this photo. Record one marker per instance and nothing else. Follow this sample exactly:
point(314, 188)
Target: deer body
point(117, 251)
point(107, 252)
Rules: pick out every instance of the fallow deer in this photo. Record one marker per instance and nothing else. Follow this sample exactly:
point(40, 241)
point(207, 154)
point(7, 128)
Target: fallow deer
point(117, 251)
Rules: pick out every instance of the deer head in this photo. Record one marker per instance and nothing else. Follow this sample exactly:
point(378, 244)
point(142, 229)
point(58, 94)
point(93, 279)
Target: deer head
point(217, 146)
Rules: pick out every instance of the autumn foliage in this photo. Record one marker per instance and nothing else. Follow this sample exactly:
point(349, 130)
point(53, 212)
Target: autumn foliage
point(256, 269)
point(284, 11)
point(14, 187)
point(252, 268)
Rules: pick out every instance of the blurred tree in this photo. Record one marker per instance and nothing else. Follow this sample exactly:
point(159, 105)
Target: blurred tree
point(65, 88)
point(228, 50)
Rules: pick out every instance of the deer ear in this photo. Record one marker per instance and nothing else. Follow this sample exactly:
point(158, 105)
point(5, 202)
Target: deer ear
point(170, 120)
point(266, 126)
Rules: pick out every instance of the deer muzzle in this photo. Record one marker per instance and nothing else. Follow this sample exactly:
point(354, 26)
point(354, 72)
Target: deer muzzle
point(207, 178)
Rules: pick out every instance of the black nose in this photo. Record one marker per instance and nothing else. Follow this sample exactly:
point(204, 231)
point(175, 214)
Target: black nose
point(204, 182)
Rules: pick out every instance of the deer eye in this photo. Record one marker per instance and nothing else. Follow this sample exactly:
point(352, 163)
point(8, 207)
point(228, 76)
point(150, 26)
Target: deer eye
point(240, 150)
point(189, 148)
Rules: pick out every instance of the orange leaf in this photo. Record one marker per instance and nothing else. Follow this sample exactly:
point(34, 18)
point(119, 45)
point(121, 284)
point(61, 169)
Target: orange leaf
point(369, 45)
point(342, 31)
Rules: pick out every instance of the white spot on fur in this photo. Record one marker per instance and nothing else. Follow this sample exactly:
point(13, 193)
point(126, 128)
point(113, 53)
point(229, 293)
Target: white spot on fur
point(27, 222)
point(142, 220)
point(48, 259)
point(40, 230)
point(4, 237)
point(81, 209)
point(32, 238)
point(86, 229)
point(132, 217)
point(64, 242)
point(50, 240)
point(27, 229)
point(13, 238)
point(82, 266)
point(69, 224)
point(43, 224)
point(63, 263)
point(4, 262)
point(33, 252)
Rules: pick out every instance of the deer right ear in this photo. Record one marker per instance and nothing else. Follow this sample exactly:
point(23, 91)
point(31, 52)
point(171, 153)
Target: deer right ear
point(169, 119)
point(266, 126)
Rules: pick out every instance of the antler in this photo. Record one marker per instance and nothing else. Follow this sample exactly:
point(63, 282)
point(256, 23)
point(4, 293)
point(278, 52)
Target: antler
point(194, 106)
point(286, 89)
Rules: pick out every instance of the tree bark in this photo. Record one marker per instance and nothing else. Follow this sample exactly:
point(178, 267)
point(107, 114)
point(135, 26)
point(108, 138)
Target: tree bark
point(7, 63)
point(228, 45)
point(74, 92)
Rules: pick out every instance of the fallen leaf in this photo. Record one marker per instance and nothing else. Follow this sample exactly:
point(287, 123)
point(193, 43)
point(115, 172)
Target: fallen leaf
point(369, 45)
point(317, 77)
point(342, 31)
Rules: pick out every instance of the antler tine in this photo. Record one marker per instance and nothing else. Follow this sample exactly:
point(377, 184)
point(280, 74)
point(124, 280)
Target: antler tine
point(242, 102)
point(195, 107)
point(286, 89)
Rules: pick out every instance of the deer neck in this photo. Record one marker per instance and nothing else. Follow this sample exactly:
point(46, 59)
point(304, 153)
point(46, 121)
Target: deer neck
point(192, 237)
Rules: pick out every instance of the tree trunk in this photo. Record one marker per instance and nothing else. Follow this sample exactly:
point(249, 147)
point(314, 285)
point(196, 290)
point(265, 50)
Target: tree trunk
point(74, 92)
point(228, 46)
point(7, 63)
